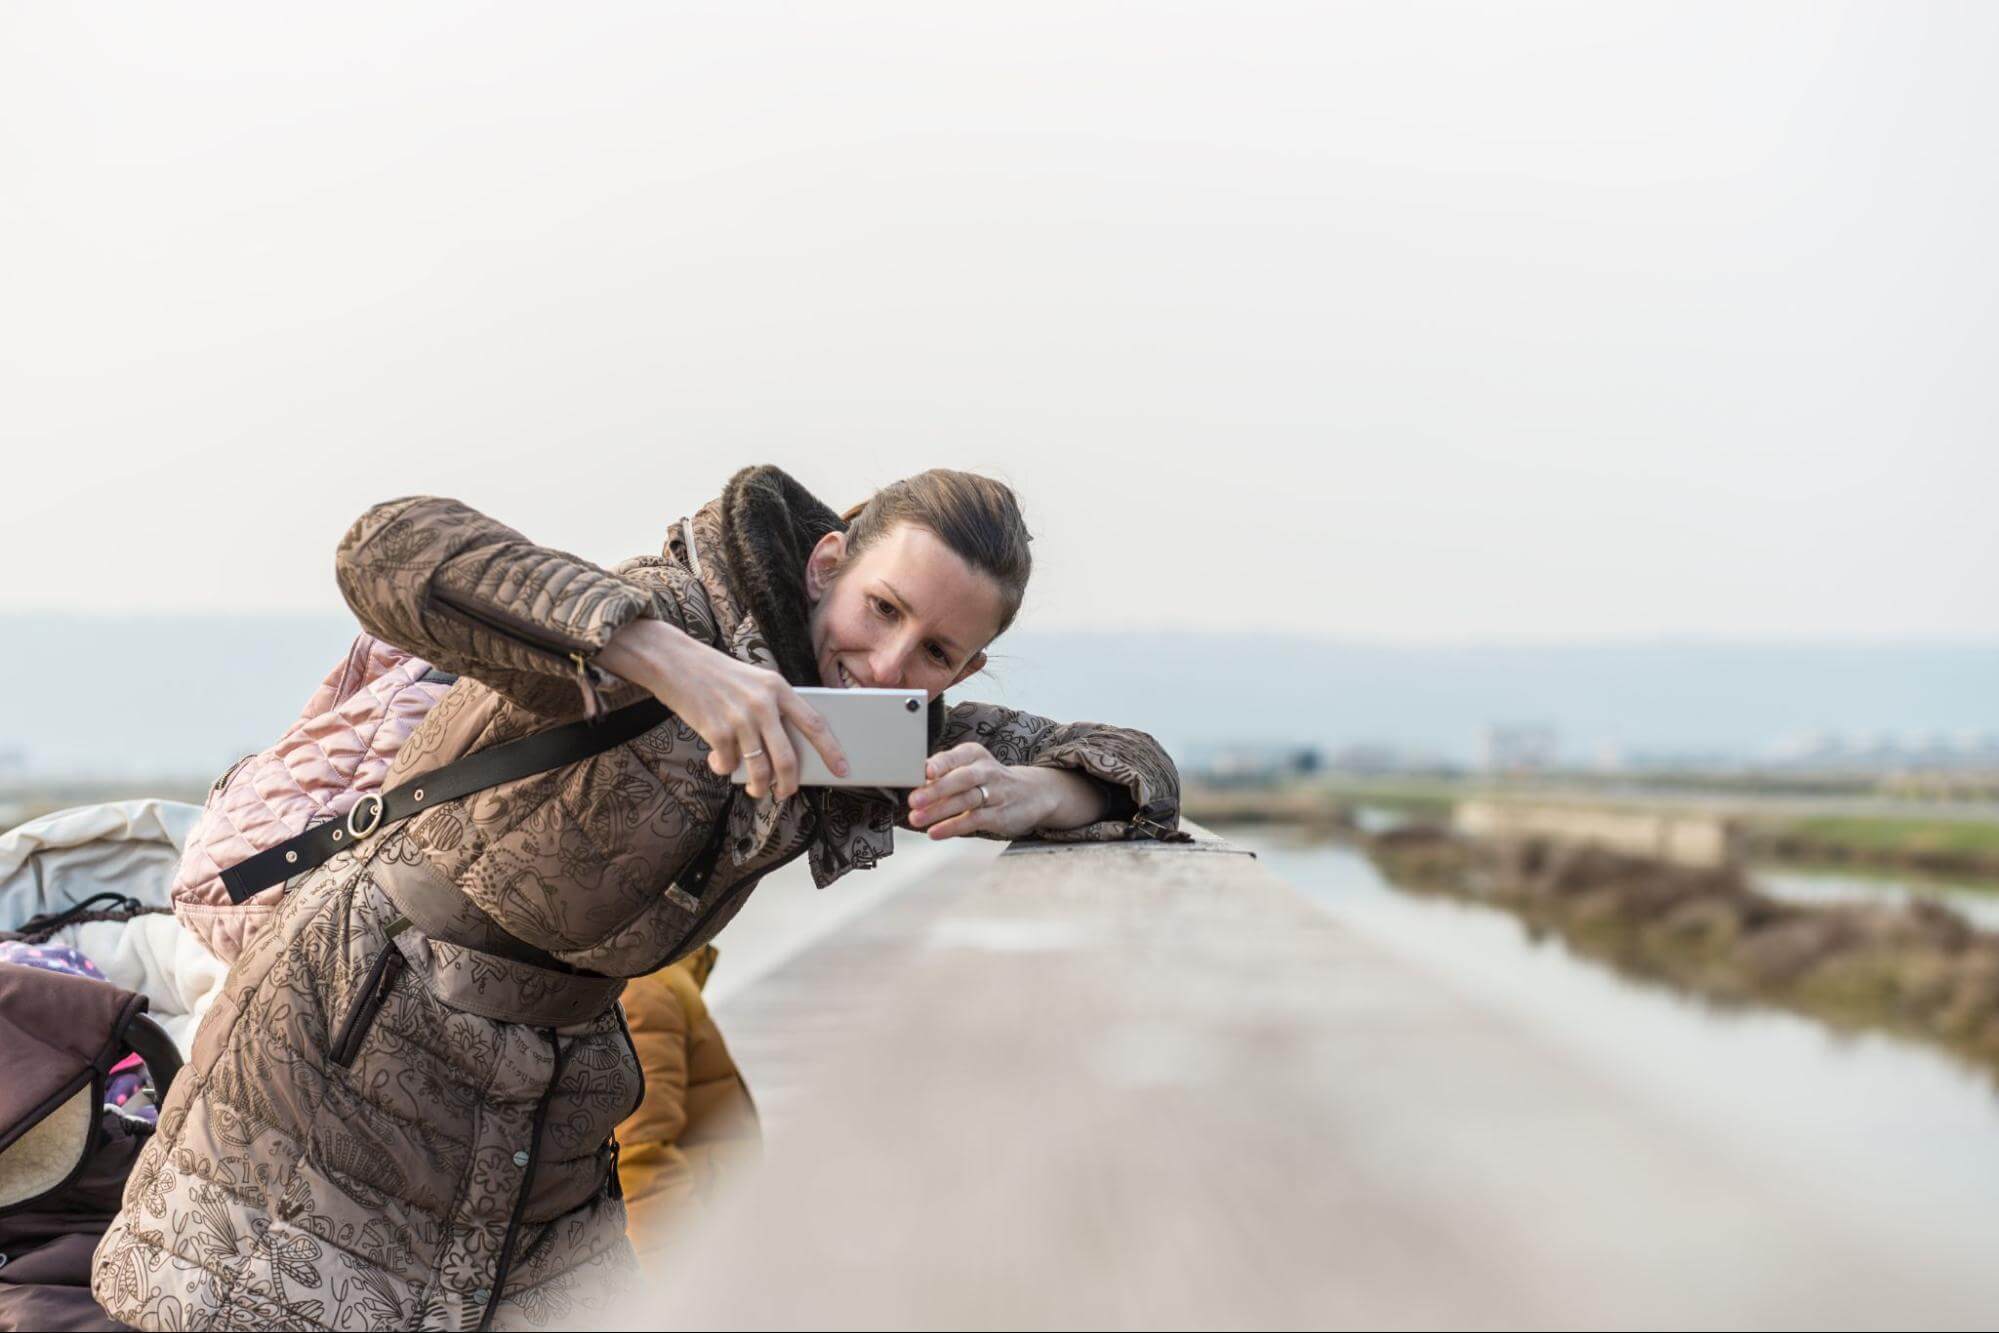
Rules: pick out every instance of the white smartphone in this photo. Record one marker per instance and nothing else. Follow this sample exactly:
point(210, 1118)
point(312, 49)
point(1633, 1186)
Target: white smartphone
point(885, 735)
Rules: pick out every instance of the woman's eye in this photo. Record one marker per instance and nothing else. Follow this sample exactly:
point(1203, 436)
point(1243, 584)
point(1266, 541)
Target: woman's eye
point(886, 610)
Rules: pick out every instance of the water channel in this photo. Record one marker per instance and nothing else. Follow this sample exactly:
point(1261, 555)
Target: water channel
point(1907, 1134)
point(1979, 906)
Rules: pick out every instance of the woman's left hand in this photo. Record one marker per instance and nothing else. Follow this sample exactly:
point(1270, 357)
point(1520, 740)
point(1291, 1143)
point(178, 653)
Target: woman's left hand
point(1015, 802)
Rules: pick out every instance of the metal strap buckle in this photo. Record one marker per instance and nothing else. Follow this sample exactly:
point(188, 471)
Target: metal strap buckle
point(374, 821)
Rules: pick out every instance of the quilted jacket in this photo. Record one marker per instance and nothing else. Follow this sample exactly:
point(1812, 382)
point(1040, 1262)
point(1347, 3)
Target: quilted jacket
point(339, 748)
point(399, 1113)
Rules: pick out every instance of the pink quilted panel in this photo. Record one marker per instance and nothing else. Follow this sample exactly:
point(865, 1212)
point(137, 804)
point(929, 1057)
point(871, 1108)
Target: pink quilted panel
point(339, 749)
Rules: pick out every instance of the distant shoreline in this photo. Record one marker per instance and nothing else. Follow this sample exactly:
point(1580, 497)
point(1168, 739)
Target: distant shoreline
point(1793, 832)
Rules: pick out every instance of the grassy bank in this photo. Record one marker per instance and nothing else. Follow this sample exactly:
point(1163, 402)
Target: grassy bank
point(1918, 970)
point(1935, 846)
point(1319, 805)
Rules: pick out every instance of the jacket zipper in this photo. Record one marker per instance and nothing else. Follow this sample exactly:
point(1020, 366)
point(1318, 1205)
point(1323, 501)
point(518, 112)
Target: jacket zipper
point(569, 652)
point(506, 1261)
point(1144, 826)
point(804, 846)
point(637, 1063)
point(223, 781)
point(374, 993)
point(612, 1184)
point(710, 857)
point(695, 930)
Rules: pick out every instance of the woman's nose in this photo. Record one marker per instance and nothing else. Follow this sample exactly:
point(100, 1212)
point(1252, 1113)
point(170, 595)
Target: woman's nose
point(885, 665)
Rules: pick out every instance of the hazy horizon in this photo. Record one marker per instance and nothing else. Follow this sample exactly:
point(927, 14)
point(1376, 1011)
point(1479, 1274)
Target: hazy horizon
point(186, 695)
point(1330, 638)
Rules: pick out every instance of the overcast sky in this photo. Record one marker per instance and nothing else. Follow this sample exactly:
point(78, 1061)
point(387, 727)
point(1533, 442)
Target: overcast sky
point(1376, 320)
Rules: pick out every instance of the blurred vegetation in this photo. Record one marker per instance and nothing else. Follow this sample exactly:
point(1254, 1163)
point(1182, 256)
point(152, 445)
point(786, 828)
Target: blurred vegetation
point(1917, 835)
point(1967, 847)
point(1917, 969)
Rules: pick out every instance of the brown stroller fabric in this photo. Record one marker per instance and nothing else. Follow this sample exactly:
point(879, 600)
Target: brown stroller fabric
point(63, 1157)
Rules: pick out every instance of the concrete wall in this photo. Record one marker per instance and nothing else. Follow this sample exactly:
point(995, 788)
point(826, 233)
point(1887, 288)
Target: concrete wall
point(1688, 838)
point(1145, 1086)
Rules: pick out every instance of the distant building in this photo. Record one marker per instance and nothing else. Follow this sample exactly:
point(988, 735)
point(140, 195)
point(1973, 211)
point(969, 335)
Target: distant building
point(1517, 748)
point(1378, 759)
point(1881, 754)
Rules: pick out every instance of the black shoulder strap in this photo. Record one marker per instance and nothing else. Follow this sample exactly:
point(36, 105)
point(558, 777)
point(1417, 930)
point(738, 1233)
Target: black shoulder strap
point(566, 744)
point(522, 758)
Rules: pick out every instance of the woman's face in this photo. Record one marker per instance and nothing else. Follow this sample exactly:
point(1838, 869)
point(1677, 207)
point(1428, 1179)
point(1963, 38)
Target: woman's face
point(907, 614)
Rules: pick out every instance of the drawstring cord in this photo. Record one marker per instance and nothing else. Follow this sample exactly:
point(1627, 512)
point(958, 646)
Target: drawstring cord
point(54, 921)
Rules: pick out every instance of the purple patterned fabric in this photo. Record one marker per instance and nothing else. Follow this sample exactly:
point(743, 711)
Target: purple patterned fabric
point(50, 958)
point(129, 1089)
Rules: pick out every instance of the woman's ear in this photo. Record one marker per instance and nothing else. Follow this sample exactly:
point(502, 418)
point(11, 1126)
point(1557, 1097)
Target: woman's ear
point(819, 566)
point(976, 664)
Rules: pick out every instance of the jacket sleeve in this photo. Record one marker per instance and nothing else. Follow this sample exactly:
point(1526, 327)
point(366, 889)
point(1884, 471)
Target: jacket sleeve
point(1138, 778)
point(443, 581)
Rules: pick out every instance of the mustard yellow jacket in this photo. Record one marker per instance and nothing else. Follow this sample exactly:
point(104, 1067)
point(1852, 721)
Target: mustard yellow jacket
point(696, 1129)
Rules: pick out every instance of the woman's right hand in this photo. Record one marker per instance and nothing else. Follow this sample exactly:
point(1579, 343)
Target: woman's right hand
point(736, 707)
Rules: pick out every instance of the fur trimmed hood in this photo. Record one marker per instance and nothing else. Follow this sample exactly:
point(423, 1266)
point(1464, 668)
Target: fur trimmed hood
point(769, 525)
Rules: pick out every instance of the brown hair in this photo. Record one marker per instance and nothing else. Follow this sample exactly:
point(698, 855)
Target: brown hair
point(977, 517)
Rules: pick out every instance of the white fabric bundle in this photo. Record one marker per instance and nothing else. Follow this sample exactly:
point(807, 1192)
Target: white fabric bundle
point(124, 847)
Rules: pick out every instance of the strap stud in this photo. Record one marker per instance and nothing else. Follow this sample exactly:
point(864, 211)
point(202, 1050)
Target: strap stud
point(417, 794)
point(291, 858)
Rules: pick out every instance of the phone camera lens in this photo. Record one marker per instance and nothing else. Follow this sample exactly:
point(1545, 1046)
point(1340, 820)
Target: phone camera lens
point(910, 705)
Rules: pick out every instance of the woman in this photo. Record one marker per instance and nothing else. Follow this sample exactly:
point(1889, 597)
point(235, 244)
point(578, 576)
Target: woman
point(399, 1114)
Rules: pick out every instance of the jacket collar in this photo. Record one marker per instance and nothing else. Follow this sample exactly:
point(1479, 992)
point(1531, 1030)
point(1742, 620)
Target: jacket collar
point(750, 547)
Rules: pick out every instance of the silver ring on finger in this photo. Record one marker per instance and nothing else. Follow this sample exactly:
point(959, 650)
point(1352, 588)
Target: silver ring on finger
point(753, 754)
point(984, 795)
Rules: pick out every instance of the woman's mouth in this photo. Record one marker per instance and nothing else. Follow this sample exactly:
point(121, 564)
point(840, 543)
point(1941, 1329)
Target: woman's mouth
point(847, 682)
